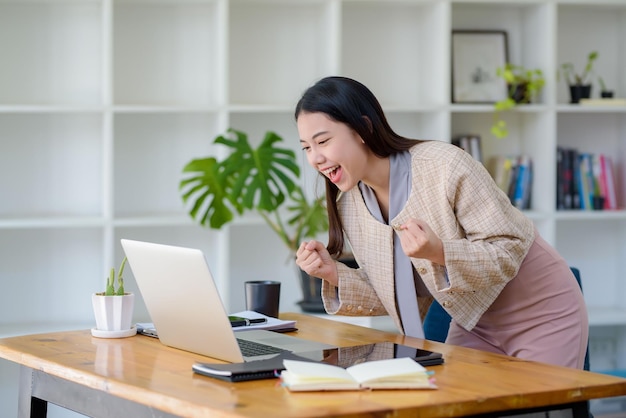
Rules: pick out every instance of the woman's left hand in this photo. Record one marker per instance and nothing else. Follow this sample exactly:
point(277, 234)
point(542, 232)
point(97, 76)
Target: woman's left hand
point(419, 241)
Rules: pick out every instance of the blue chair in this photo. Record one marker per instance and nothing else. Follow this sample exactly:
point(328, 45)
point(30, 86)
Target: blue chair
point(580, 283)
point(436, 323)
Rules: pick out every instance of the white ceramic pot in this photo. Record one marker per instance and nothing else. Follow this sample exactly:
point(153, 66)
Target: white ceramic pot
point(113, 313)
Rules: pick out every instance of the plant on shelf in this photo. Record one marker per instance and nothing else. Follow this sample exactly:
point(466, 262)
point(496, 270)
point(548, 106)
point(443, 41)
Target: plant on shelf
point(262, 179)
point(579, 85)
point(113, 308)
point(523, 86)
point(604, 91)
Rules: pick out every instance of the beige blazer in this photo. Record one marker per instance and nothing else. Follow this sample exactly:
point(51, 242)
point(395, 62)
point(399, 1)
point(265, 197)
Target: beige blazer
point(485, 239)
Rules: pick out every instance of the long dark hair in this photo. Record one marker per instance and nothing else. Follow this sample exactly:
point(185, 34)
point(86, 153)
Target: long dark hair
point(347, 101)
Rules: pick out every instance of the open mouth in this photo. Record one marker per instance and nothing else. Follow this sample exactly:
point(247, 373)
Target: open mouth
point(333, 173)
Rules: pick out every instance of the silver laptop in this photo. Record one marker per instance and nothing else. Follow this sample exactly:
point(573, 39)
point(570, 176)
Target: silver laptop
point(185, 306)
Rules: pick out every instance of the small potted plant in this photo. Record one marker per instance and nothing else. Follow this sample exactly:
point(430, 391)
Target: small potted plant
point(604, 92)
point(113, 308)
point(262, 180)
point(523, 86)
point(579, 85)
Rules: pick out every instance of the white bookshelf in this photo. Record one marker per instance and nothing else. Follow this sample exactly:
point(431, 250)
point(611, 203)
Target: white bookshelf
point(102, 102)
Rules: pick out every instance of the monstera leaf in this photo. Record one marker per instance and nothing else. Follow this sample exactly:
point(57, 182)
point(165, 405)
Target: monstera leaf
point(260, 179)
point(208, 192)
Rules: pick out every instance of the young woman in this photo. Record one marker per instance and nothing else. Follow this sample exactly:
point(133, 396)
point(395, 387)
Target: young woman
point(425, 220)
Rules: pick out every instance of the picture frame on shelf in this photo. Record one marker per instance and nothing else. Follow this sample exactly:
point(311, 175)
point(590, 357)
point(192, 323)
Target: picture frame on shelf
point(476, 54)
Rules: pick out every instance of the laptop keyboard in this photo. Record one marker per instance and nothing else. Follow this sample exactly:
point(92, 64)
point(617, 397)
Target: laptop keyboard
point(252, 348)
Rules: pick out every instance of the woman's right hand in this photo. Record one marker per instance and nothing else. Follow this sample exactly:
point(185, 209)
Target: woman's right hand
point(314, 259)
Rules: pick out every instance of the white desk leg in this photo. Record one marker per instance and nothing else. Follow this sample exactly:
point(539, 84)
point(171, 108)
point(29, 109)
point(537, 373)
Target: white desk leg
point(27, 405)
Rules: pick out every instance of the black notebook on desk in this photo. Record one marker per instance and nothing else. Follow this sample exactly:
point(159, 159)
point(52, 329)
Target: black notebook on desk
point(343, 356)
point(250, 370)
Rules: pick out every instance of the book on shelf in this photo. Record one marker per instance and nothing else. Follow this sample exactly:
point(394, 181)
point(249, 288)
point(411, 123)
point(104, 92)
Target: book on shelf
point(562, 186)
point(396, 373)
point(523, 184)
point(566, 184)
point(585, 180)
point(608, 182)
point(471, 144)
point(514, 176)
point(574, 190)
point(607, 101)
point(501, 169)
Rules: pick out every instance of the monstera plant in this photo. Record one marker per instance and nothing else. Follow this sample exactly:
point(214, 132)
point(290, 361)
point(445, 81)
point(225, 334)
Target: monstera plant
point(262, 179)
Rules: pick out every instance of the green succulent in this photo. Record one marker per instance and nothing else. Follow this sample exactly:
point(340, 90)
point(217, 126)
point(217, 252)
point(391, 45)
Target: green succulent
point(110, 288)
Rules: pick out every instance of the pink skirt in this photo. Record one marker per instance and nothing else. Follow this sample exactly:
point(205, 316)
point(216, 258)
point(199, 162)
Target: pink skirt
point(540, 315)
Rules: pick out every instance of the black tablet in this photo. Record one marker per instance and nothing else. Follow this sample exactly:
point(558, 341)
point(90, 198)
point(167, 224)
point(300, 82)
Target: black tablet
point(348, 356)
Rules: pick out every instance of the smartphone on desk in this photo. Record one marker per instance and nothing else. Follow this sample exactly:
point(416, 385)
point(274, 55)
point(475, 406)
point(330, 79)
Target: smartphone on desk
point(238, 321)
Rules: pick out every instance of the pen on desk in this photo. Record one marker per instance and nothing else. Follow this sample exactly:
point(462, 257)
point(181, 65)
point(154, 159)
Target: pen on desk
point(236, 321)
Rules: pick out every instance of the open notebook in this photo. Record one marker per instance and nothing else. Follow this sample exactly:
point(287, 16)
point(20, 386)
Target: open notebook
point(343, 357)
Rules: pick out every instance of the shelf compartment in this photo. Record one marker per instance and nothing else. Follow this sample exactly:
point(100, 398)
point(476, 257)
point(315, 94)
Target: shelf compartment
point(277, 49)
point(605, 31)
point(528, 134)
point(59, 284)
point(597, 133)
point(51, 158)
point(172, 58)
point(528, 26)
point(420, 125)
point(397, 49)
point(150, 151)
point(52, 53)
point(596, 249)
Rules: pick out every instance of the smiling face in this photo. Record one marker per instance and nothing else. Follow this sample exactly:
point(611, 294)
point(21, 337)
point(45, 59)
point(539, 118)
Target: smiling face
point(334, 149)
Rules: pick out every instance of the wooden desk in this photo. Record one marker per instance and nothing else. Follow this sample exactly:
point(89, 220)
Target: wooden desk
point(140, 377)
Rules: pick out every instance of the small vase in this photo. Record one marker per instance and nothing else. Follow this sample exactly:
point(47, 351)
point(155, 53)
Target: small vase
point(518, 94)
point(606, 94)
point(113, 313)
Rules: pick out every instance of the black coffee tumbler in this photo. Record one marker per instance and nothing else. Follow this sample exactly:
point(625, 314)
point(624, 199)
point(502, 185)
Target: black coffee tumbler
point(263, 296)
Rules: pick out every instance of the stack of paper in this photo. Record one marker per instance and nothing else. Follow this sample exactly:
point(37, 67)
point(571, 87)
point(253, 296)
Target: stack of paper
point(274, 324)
